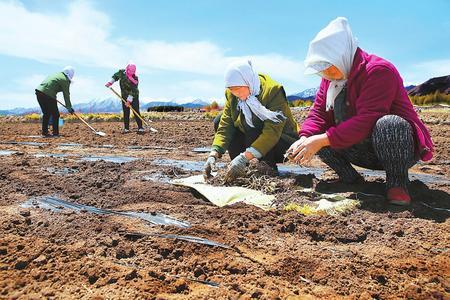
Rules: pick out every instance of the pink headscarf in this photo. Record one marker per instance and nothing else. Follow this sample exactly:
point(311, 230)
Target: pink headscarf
point(130, 71)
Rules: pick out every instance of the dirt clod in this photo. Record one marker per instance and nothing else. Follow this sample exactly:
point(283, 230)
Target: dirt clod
point(124, 252)
point(21, 264)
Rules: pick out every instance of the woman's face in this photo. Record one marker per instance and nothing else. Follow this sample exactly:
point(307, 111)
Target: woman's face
point(242, 92)
point(332, 73)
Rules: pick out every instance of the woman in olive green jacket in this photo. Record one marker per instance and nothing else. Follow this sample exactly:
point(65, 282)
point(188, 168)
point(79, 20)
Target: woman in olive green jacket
point(256, 121)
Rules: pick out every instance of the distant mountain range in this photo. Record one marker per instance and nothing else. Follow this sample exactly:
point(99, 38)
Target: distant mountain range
point(440, 84)
point(308, 94)
point(19, 111)
point(113, 105)
point(409, 87)
point(109, 105)
point(197, 103)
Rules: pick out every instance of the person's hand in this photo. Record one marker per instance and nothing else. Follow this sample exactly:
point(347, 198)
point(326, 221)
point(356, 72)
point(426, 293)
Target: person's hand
point(210, 165)
point(70, 109)
point(305, 149)
point(236, 168)
point(108, 84)
point(289, 152)
point(129, 100)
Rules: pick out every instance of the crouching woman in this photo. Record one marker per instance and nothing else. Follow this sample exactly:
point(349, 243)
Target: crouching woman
point(256, 121)
point(362, 114)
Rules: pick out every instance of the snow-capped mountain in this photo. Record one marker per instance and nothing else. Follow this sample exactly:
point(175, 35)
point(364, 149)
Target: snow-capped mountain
point(99, 105)
point(308, 94)
point(197, 103)
point(186, 103)
point(112, 105)
point(20, 111)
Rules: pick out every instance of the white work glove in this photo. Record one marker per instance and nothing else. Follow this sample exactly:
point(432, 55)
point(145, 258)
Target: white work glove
point(236, 168)
point(129, 101)
point(110, 83)
point(210, 164)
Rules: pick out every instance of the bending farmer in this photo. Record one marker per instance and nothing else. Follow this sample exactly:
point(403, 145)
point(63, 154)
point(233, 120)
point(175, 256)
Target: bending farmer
point(130, 92)
point(46, 96)
point(256, 121)
point(361, 115)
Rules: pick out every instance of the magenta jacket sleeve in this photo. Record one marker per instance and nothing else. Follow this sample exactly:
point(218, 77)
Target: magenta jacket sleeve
point(317, 121)
point(377, 94)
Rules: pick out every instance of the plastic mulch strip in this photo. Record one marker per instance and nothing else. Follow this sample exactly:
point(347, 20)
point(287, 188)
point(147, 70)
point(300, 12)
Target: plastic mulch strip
point(187, 238)
point(113, 159)
point(25, 143)
point(6, 152)
point(56, 204)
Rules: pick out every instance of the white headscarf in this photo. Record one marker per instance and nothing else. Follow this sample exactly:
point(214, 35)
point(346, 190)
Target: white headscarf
point(69, 71)
point(241, 73)
point(334, 45)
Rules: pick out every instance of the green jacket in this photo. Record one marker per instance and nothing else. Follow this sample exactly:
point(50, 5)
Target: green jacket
point(273, 97)
point(126, 86)
point(54, 84)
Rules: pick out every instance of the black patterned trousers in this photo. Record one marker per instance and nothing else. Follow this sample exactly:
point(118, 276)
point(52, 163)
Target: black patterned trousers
point(390, 148)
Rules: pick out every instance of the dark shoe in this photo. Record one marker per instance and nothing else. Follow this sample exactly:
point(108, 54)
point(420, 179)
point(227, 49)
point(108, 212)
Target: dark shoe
point(141, 131)
point(46, 135)
point(398, 196)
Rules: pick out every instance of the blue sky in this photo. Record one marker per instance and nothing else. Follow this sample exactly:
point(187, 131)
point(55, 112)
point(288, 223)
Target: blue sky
point(182, 47)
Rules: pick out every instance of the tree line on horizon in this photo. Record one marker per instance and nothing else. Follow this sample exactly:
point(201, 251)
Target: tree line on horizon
point(434, 98)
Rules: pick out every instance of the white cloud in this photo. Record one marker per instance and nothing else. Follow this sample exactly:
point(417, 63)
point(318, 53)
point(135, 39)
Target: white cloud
point(86, 88)
point(18, 99)
point(30, 82)
point(82, 89)
point(196, 57)
point(420, 72)
point(193, 89)
point(82, 36)
point(281, 67)
point(24, 95)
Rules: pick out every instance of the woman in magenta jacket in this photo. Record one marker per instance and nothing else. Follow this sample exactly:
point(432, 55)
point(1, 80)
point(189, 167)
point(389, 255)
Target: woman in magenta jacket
point(362, 114)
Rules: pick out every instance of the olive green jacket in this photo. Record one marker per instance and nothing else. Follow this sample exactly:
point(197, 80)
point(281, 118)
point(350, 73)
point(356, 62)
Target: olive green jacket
point(273, 97)
point(54, 84)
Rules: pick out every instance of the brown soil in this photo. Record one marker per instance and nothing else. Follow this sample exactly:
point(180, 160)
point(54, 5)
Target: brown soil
point(375, 252)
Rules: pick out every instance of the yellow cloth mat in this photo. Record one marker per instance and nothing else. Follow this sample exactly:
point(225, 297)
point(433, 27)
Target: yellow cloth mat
point(226, 195)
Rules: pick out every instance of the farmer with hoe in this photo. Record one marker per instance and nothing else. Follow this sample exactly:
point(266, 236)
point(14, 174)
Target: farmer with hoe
point(362, 114)
point(46, 96)
point(256, 121)
point(130, 92)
